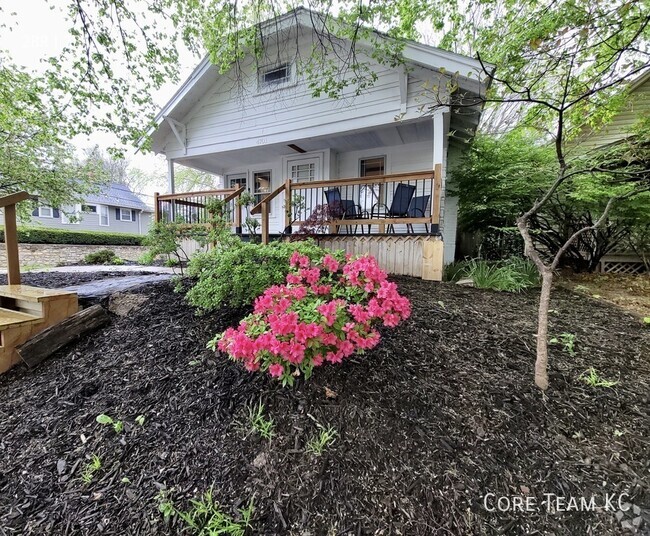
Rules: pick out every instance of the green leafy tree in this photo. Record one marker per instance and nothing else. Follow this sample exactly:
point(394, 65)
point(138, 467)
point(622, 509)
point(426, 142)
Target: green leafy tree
point(34, 155)
point(501, 176)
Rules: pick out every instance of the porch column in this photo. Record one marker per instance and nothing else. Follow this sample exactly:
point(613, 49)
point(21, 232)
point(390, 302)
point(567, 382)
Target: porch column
point(433, 247)
point(171, 186)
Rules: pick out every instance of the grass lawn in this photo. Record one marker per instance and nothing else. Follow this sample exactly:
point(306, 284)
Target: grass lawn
point(428, 429)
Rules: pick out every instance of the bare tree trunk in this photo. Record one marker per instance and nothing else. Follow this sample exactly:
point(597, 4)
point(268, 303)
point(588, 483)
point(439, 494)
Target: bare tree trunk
point(541, 363)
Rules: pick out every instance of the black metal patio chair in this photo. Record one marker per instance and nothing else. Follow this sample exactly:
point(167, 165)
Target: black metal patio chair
point(341, 209)
point(418, 209)
point(399, 206)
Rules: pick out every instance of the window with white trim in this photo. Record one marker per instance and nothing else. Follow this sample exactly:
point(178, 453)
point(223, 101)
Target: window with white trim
point(45, 212)
point(273, 76)
point(261, 185)
point(369, 193)
point(70, 215)
point(126, 214)
point(103, 216)
point(89, 209)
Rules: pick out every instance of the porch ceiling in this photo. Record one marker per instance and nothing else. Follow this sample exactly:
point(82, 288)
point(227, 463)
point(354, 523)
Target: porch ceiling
point(389, 135)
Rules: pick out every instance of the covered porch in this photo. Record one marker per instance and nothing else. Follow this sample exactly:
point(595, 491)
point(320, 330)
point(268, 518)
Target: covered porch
point(381, 183)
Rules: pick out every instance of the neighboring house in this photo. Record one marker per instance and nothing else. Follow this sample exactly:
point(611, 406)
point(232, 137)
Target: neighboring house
point(636, 105)
point(115, 209)
point(268, 128)
point(621, 259)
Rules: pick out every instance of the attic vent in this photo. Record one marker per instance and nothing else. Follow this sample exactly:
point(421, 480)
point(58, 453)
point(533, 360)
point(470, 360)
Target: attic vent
point(275, 75)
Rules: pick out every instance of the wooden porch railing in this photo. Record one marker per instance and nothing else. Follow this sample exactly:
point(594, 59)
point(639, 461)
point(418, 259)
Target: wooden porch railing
point(8, 203)
point(362, 201)
point(192, 207)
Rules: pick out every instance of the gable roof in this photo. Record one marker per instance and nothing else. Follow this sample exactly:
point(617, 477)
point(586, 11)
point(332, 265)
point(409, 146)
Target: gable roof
point(205, 74)
point(118, 195)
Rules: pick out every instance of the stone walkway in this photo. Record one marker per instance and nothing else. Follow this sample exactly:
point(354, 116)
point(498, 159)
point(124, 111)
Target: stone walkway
point(102, 288)
point(107, 268)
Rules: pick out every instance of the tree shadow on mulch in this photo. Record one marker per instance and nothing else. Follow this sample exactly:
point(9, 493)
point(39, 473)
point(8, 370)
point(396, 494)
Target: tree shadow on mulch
point(430, 424)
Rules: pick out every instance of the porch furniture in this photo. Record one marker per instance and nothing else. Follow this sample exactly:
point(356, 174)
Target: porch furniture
point(342, 209)
point(399, 206)
point(418, 209)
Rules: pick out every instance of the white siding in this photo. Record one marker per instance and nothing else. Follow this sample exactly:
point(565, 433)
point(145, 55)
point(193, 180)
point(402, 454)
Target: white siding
point(232, 116)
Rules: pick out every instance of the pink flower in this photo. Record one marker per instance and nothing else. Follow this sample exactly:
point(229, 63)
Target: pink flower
point(283, 332)
point(276, 370)
point(330, 263)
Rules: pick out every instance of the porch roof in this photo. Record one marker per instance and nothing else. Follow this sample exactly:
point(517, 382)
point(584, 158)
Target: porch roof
point(357, 140)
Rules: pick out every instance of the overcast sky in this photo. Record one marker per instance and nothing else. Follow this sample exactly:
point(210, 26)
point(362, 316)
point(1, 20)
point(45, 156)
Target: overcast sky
point(36, 32)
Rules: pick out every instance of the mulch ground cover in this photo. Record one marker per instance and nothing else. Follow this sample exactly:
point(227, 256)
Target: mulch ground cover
point(430, 424)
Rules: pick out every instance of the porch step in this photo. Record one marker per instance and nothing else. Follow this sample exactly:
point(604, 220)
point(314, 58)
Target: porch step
point(32, 294)
point(26, 311)
point(10, 318)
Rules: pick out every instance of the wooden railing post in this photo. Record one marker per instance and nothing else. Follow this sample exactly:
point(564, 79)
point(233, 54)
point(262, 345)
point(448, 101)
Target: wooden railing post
point(156, 207)
point(237, 216)
point(11, 242)
point(437, 187)
point(8, 203)
point(265, 223)
point(288, 209)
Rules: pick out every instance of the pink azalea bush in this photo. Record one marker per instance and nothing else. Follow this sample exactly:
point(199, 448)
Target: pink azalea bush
point(326, 312)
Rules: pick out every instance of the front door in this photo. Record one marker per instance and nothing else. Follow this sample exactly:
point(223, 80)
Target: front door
point(304, 169)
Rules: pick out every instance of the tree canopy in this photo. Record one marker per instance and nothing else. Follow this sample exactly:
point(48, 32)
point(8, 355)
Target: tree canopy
point(34, 153)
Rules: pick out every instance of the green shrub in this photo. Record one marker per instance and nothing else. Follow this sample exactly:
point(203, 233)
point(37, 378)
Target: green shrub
point(103, 256)
point(236, 275)
point(512, 275)
point(43, 235)
point(456, 270)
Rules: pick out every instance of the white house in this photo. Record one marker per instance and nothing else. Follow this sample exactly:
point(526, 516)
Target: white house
point(263, 130)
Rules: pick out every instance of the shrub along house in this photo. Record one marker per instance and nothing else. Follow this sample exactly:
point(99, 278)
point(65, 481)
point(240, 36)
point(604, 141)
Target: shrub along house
point(116, 209)
point(366, 170)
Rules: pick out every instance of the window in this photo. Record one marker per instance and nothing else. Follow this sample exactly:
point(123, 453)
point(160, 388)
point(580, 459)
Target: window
point(125, 214)
point(237, 181)
point(103, 215)
point(70, 215)
point(371, 167)
point(45, 212)
point(303, 172)
point(89, 209)
point(275, 75)
point(369, 193)
point(262, 185)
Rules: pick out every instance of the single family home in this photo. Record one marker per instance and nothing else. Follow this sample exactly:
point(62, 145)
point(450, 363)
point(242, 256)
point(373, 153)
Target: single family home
point(365, 171)
point(114, 209)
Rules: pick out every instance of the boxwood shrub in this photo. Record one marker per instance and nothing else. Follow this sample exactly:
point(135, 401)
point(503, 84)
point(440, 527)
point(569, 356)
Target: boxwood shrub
point(42, 235)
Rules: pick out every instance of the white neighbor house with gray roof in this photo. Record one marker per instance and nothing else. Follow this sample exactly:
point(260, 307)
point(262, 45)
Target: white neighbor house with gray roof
point(116, 209)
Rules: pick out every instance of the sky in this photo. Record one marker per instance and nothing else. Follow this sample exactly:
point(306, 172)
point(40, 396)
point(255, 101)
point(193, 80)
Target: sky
point(36, 32)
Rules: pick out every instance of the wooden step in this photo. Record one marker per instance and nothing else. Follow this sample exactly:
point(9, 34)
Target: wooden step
point(32, 294)
point(10, 318)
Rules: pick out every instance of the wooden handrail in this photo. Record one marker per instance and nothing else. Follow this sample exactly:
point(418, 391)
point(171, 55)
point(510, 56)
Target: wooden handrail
point(258, 208)
point(377, 179)
point(173, 197)
point(234, 195)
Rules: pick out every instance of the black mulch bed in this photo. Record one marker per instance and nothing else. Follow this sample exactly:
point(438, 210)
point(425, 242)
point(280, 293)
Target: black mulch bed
point(66, 279)
point(440, 414)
